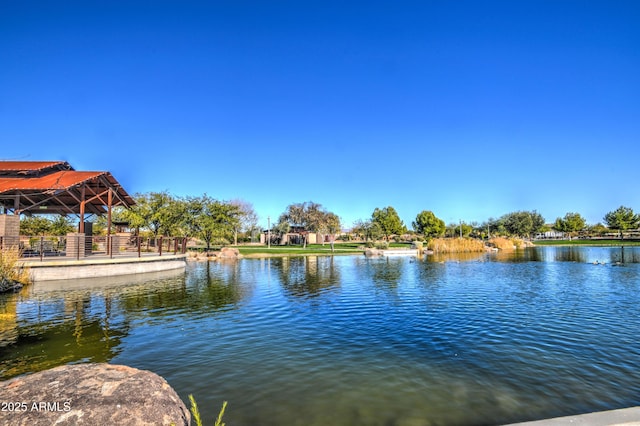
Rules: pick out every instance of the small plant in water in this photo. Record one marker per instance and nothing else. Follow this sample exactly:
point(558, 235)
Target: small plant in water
point(196, 413)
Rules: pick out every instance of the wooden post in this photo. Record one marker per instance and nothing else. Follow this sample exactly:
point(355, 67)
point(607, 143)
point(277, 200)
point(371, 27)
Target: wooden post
point(82, 206)
point(109, 242)
point(160, 246)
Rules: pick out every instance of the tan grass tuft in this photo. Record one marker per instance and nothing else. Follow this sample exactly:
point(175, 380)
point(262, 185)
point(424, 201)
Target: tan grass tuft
point(10, 269)
point(455, 245)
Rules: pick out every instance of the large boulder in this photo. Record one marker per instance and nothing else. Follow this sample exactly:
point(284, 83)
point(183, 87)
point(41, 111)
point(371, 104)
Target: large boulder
point(91, 394)
point(229, 253)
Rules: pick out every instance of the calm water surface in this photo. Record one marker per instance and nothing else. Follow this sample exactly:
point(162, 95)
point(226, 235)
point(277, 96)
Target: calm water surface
point(476, 340)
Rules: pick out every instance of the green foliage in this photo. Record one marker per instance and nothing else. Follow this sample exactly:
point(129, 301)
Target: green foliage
point(381, 245)
point(210, 219)
point(571, 223)
point(597, 229)
point(34, 225)
point(522, 223)
point(367, 230)
point(309, 217)
point(388, 221)
point(429, 225)
point(622, 218)
point(159, 212)
point(46, 225)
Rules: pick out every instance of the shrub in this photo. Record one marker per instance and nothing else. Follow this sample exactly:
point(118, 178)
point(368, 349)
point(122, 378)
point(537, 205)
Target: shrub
point(502, 243)
point(10, 270)
point(455, 245)
point(382, 245)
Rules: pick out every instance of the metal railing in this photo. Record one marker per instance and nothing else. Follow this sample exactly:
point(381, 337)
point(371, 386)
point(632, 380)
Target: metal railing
point(80, 246)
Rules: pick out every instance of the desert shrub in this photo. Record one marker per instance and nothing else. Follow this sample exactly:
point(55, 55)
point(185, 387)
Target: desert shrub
point(455, 245)
point(381, 245)
point(10, 269)
point(502, 243)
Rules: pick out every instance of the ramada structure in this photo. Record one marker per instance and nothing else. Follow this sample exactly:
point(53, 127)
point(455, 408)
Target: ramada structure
point(54, 187)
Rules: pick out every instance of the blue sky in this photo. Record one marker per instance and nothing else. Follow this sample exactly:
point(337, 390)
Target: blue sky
point(471, 109)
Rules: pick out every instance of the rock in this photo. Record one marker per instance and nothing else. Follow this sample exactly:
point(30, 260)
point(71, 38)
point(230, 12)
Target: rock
point(229, 253)
point(91, 394)
point(7, 285)
point(372, 252)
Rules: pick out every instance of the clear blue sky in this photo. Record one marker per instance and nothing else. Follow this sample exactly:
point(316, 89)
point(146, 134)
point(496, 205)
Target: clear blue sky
point(471, 109)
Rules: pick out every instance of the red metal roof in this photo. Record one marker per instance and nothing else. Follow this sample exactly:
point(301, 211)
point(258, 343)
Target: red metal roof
point(30, 166)
point(57, 180)
point(54, 187)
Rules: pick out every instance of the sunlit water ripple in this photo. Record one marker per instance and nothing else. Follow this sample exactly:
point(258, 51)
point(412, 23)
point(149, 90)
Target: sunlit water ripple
point(356, 341)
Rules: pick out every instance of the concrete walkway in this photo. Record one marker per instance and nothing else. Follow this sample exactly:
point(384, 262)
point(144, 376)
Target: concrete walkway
point(625, 416)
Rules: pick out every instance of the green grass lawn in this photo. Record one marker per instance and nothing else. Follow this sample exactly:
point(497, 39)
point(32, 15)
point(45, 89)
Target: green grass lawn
point(608, 242)
point(342, 248)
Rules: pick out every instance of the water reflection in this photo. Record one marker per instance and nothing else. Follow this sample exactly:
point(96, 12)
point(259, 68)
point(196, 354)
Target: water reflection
point(531, 254)
point(569, 254)
point(491, 339)
point(307, 276)
point(49, 333)
point(624, 255)
point(456, 257)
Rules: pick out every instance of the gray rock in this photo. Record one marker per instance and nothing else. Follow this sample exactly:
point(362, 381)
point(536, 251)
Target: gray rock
point(7, 285)
point(372, 252)
point(91, 394)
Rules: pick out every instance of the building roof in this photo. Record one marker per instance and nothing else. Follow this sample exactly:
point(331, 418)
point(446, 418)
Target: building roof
point(54, 187)
point(31, 167)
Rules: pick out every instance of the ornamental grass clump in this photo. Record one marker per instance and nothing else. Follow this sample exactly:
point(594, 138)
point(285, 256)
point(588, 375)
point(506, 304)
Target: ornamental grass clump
point(502, 243)
point(12, 274)
point(455, 245)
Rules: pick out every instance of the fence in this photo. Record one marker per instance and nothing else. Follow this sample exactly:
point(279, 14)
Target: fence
point(79, 246)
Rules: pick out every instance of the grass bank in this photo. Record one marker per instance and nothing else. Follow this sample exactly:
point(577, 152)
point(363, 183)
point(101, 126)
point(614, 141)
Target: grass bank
point(591, 242)
point(310, 250)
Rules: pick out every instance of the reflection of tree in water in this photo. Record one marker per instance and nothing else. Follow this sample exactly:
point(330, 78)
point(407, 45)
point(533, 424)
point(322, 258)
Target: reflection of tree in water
point(625, 255)
point(84, 333)
point(384, 272)
point(207, 288)
point(530, 254)
point(307, 276)
point(570, 254)
point(456, 257)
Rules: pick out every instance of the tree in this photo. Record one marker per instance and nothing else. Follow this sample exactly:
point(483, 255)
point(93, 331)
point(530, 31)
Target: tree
point(61, 225)
point(34, 225)
point(622, 218)
point(429, 225)
point(247, 218)
point(159, 212)
point(570, 224)
point(211, 219)
point(306, 217)
point(331, 225)
point(367, 230)
point(522, 223)
point(388, 221)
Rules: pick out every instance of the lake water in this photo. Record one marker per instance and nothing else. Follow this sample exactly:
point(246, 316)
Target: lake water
point(472, 340)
